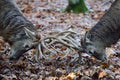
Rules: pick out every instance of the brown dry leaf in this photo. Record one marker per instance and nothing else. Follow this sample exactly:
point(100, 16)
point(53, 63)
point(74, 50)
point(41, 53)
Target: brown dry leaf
point(52, 56)
point(83, 32)
point(2, 43)
point(71, 76)
point(38, 15)
point(20, 64)
point(87, 28)
point(53, 78)
point(63, 48)
point(97, 14)
point(87, 72)
point(116, 71)
point(27, 9)
point(102, 74)
point(61, 54)
point(1, 48)
point(105, 65)
point(11, 77)
point(111, 56)
point(93, 59)
point(37, 26)
point(109, 51)
point(33, 51)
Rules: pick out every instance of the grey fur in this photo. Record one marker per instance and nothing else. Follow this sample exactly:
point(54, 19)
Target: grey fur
point(105, 33)
point(12, 23)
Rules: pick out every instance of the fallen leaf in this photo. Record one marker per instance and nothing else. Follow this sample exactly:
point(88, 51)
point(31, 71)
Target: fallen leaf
point(104, 65)
point(102, 74)
point(71, 76)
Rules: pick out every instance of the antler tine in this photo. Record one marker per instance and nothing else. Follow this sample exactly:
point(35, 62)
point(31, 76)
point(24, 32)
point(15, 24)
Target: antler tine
point(63, 38)
point(32, 35)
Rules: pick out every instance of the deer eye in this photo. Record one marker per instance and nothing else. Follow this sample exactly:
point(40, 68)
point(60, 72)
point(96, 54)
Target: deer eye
point(26, 46)
point(90, 53)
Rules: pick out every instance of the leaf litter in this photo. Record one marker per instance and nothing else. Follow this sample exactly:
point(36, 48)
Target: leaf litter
point(47, 17)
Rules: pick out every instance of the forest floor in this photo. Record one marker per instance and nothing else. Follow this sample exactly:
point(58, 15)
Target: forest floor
point(47, 16)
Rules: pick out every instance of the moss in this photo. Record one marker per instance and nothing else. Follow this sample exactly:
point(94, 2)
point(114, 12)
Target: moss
point(76, 6)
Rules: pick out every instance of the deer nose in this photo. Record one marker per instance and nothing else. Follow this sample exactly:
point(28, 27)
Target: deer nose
point(16, 55)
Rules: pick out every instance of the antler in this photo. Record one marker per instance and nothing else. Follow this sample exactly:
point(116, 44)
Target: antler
point(65, 38)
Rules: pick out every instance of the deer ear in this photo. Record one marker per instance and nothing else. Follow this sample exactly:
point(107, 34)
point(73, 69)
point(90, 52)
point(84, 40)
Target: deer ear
point(31, 34)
